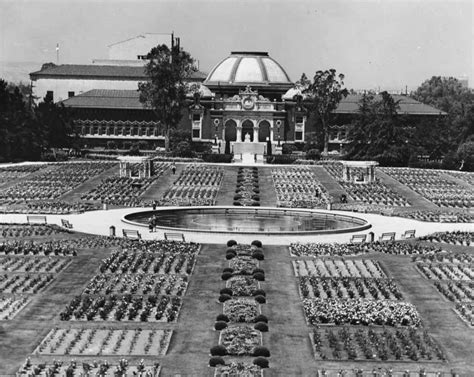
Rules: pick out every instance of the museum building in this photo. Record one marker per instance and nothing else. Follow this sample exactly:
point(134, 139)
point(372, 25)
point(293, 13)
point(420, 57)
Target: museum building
point(246, 98)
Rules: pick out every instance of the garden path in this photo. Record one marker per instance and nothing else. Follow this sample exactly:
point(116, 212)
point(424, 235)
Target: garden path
point(188, 353)
point(162, 183)
point(333, 188)
point(225, 196)
point(268, 196)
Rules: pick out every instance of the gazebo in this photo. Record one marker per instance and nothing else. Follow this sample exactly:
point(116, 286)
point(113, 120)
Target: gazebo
point(359, 171)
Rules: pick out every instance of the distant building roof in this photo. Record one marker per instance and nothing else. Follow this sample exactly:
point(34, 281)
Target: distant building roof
point(100, 72)
point(115, 99)
point(350, 104)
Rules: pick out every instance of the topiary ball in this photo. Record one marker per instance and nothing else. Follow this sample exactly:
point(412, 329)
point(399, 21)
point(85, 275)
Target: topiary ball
point(226, 291)
point(218, 350)
point(256, 243)
point(224, 298)
point(258, 255)
point(261, 326)
point(260, 299)
point(261, 362)
point(226, 276)
point(261, 318)
point(229, 256)
point(261, 351)
point(221, 325)
point(258, 270)
point(222, 317)
point(258, 276)
point(228, 269)
point(259, 292)
point(231, 243)
point(215, 361)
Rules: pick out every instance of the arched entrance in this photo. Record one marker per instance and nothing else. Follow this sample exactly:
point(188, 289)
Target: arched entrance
point(247, 128)
point(230, 131)
point(263, 131)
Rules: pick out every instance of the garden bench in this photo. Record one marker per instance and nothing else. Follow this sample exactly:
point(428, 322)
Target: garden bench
point(133, 234)
point(409, 234)
point(36, 219)
point(66, 224)
point(174, 237)
point(358, 238)
point(389, 236)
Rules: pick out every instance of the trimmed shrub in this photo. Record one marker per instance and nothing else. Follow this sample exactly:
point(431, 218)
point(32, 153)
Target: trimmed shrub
point(260, 299)
point(259, 276)
point(256, 243)
point(259, 292)
point(219, 350)
point(226, 276)
point(220, 325)
point(226, 291)
point(230, 256)
point(258, 255)
point(228, 269)
point(237, 197)
point(261, 351)
point(222, 317)
point(218, 158)
point(260, 270)
point(224, 298)
point(215, 361)
point(261, 318)
point(231, 243)
point(261, 362)
point(261, 326)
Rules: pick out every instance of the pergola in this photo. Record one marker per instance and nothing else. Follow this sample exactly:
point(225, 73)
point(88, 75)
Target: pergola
point(359, 171)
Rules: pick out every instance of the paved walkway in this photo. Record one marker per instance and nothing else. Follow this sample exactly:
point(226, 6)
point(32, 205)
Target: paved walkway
point(98, 222)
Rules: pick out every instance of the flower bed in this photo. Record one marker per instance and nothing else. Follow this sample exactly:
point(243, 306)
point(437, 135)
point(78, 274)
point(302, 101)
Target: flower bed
point(350, 343)
point(353, 288)
point(139, 283)
point(453, 238)
point(29, 230)
point(11, 305)
point(29, 264)
point(238, 369)
point(247, 190)
point(24, 283)
point(446, 271)
point(361, 312)
point(359, 268)
point(242, 285)
point(244, 265)
point(89, 368)
point(100, 341)
point(124, 308)
point(240, 340)
point(445, 258)
point(156, 262)
point(241, 310)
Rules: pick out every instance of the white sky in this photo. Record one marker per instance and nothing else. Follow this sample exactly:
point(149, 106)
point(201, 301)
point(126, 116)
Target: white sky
point(386, 44)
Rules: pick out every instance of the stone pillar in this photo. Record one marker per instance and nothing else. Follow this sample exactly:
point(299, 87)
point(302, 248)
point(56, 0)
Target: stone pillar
point(255, 133)
point(271, 130)
point(239, 130)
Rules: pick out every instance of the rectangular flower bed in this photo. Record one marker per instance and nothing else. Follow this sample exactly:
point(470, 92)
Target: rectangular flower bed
point(105, 342)
point(361, 312)
point(238, 369)
point(242, 285)
point(241, 310)
point(240, 340)
point(374, 343)
point(11, 305)
point(243, 264)
point(359, 268)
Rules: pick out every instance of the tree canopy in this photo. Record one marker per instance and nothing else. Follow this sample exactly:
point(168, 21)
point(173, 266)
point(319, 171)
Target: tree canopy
point(27, 130)
point(324, 94)
point(165, 92)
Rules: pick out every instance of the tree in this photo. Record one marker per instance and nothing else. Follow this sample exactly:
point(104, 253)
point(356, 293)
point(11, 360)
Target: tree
point(324, 94)
point(165, 92)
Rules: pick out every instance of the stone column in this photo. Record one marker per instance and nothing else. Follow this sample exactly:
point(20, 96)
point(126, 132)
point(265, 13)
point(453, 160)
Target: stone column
point(239, 129)
point(271, 130)
point(255, 133)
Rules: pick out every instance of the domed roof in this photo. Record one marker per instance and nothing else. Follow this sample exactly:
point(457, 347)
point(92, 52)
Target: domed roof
point(248, 68)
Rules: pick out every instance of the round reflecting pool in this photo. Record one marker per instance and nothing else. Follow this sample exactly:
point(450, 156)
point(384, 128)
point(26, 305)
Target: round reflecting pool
point(248, 220)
